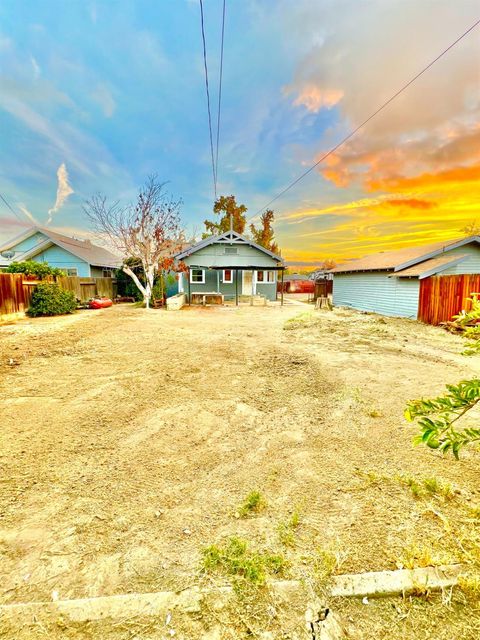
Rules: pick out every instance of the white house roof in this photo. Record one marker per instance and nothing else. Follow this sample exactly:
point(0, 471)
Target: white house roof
point(229, 237)
point(83, 249)
point(403, 258)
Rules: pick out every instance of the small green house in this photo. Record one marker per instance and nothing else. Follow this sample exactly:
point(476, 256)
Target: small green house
point(229, 265)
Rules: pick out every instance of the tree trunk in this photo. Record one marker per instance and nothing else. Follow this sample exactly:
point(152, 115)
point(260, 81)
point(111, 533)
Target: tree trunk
point(150, 275)
point(139, 285)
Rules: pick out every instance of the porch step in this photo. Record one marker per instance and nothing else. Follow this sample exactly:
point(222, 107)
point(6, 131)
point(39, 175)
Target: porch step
point(258, 301)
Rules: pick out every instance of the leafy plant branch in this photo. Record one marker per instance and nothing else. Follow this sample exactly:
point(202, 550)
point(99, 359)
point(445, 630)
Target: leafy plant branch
point(437, 417)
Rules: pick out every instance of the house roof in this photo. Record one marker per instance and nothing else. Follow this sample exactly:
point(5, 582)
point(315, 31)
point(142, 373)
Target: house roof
point(430, 267)
point(403, 258)
point(83, 249)
point(229, 237)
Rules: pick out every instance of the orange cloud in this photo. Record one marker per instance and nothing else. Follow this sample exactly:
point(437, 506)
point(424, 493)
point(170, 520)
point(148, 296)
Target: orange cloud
point(428, 181)
point(412, 203)
point(314, 98)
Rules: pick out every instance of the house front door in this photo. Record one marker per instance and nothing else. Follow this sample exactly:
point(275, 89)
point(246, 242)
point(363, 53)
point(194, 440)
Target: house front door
point(247, 283)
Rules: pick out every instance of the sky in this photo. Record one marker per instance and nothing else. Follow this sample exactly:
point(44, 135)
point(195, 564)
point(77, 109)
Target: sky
point(95, 95)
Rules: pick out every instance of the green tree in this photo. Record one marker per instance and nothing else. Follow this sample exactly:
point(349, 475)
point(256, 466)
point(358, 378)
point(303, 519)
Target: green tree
point(226, 206)
point(264, 234)
point(32, 268)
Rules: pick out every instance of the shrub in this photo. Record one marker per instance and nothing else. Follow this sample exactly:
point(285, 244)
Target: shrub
point(49, 300)
point(32, 268)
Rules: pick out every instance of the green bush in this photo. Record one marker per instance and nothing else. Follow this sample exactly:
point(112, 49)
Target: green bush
point(33, 268)
point(49, 300)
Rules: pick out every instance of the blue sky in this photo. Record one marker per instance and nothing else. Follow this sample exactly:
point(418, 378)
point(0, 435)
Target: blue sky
point(114, 90)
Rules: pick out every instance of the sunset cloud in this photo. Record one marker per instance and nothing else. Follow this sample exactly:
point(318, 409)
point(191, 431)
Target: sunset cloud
point(314, 98)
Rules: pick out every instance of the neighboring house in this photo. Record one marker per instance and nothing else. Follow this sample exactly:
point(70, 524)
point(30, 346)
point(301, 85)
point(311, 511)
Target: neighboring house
point(74, 257)
point(389, 282)
point(230, 264)
point(297, 283)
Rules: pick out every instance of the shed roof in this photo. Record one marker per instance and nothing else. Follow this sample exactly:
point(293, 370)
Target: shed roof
point(83, 249)
point(403, 258)
point(429, 267)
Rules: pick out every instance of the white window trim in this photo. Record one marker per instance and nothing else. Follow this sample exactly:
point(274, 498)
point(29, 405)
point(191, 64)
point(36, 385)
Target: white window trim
point(202, 281)
point(265, 276)
point(224, 280)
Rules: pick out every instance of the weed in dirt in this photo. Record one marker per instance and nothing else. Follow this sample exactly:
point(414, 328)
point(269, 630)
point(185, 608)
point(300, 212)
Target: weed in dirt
point(325, 563)
point(303, 319)
point(474, 512)
point(374, 413)
point(253, 503)
point(234, 558)
point(416, 556)
point(470, 586)
point(436, 487)
point(286, 530)
point(424, 487)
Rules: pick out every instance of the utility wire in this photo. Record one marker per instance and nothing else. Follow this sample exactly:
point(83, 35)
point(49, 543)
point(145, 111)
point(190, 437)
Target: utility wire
point(10, 207)
point(220, 91)
point(208, 99)
point(352, 133)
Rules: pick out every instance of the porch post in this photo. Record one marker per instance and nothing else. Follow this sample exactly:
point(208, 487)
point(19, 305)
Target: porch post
point(188, 283)
point(218, 281)
point(251, 296)
point(236, 287)
point(281, 290)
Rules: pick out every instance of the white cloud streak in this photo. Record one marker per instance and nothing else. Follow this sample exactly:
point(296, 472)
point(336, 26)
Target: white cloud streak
point(63, 191)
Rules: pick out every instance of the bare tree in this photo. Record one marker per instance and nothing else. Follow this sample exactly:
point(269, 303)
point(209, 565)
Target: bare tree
point(148, 233)
point(471, 229)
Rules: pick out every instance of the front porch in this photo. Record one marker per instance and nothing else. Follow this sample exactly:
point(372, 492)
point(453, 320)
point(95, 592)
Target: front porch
point(226, 283)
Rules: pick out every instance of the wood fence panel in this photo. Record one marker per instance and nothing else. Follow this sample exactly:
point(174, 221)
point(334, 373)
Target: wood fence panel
point(16, 290)
point(442, 297)
point(104, 287)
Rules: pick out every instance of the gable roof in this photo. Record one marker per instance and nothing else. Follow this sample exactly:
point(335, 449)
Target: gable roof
point(229, 237)
point(403, 258)
point(83, 249)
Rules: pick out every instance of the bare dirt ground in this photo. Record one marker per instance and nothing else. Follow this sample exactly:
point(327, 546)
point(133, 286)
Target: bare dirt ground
point(129, 438)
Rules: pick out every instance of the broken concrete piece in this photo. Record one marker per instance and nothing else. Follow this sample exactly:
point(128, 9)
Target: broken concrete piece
point(386, 583)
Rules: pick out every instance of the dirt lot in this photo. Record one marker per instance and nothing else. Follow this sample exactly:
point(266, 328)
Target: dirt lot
point(130, 437)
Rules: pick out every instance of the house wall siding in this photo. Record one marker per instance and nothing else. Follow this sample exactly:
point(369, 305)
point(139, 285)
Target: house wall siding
point(471, 264)
point(377, 292)
point(214, 255)
point(58, 257)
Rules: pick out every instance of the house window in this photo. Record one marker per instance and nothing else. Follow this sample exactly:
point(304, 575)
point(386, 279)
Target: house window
point(265, 276)
point(70, 272)
point(231, 251)
point(107, 273)
point(227, 276)
point(197, 276)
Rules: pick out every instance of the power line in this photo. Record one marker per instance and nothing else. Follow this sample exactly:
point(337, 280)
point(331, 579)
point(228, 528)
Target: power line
point(208, 99)
point(352, 133)
point(10, 207)
point(220, 90)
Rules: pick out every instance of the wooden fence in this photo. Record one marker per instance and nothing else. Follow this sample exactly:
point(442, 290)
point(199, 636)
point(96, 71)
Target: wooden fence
point(442, 297)
point(16, 291)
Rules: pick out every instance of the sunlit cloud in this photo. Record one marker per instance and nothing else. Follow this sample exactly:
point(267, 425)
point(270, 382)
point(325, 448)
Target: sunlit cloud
point(63, 191)
point(315, 98)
